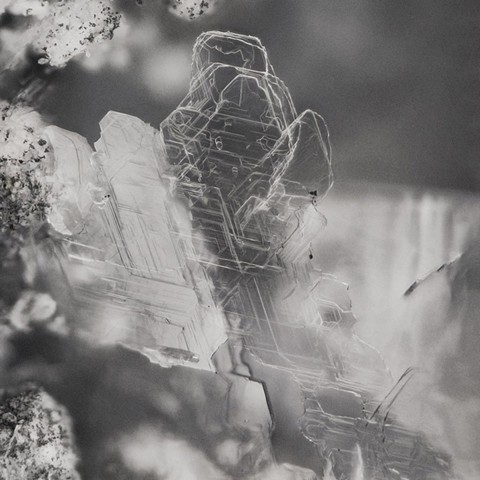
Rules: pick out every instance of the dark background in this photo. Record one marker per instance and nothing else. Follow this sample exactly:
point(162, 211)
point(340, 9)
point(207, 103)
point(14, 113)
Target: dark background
point(397, 82)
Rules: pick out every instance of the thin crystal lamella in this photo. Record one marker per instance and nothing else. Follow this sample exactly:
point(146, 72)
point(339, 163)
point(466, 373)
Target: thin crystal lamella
point(135, 240)
point(193, 246)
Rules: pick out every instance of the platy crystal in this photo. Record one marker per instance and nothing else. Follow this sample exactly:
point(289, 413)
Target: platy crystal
point(199, 234)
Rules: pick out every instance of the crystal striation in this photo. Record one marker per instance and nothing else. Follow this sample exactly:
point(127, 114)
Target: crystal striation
point(192, 244)
point(252, 172)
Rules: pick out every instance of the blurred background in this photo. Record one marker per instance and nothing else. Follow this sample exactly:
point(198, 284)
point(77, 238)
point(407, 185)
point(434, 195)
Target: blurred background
point(398, 86)
point(397, 82)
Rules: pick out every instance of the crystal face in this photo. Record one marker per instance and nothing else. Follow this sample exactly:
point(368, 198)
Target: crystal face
point(134, 233)
point(192, 245)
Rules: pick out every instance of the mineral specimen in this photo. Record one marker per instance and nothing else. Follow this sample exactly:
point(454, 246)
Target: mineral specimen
point(36, 440)
point(191, 244)
point(252, 173)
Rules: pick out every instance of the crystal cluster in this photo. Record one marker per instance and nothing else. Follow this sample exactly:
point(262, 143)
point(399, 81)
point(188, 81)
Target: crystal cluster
point(191, 244)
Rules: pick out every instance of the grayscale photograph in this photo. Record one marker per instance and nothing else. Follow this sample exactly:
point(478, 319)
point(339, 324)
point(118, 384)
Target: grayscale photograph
point(239, 240)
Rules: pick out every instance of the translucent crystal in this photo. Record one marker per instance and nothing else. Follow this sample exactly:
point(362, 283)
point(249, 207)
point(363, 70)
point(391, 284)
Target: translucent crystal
point(197, 251)
point(153, 299)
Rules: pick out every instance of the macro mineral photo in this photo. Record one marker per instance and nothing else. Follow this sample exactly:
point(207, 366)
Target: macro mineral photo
point(239, 240)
